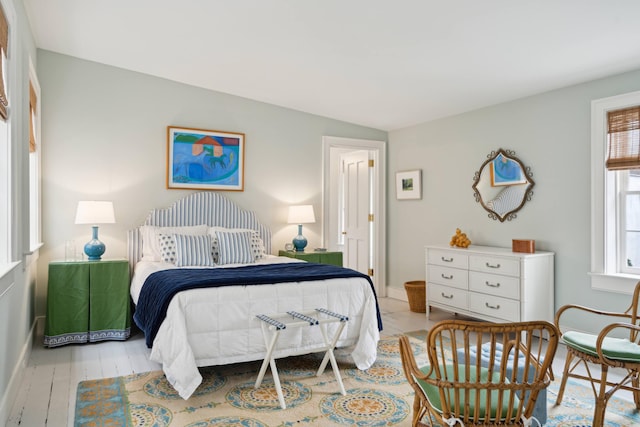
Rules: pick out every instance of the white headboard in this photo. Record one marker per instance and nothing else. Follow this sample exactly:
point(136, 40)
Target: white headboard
point(208, 208)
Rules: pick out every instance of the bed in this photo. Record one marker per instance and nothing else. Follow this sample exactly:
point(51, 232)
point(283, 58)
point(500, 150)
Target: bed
point(210, 301)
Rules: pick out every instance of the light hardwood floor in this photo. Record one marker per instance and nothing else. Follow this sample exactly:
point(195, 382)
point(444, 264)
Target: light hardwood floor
point(48, 390)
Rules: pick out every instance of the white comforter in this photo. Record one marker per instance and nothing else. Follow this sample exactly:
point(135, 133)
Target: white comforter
point(217, 326)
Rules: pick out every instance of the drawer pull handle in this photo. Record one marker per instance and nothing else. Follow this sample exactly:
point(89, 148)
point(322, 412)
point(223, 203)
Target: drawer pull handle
point(446, 277)
point(446, 259)
point(492, 266)
point(493, 285)
point(494, 307)
point(446, 296)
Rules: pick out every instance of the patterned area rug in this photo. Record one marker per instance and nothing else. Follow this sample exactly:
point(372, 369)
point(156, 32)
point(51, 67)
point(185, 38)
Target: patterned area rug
point(379, 396)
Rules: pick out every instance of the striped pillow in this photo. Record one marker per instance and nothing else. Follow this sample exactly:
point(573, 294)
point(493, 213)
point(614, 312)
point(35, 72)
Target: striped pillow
point(193, 250)
point(234, 247)
point(257, 244)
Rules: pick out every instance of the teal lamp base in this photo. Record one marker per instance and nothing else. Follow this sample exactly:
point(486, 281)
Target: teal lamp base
point(299, 242)
point(94, 248)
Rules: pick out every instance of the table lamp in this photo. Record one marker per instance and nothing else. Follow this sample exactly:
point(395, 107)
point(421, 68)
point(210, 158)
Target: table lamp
point(95, 212)
point(301, 214)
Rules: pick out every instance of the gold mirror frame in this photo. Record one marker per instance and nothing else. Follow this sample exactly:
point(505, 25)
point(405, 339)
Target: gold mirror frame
point(503, 185)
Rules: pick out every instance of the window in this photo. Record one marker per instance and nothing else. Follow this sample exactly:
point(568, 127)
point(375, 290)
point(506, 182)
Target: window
point(630, 221)
point(5, 146)
point(34, 161)
point(615, 188)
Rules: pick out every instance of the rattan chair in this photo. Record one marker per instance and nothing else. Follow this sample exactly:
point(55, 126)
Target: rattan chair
point(457, 388)
point(607, 349)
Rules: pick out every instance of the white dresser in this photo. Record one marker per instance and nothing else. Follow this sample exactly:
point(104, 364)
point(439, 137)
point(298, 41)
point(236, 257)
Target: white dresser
point(488, 283)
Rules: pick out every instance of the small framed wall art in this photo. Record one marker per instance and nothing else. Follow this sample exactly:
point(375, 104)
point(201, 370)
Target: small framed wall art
point(408, 185)
point(205, 159)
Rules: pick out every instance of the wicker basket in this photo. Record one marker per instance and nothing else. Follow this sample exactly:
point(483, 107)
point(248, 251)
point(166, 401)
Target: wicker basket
point(416, 293)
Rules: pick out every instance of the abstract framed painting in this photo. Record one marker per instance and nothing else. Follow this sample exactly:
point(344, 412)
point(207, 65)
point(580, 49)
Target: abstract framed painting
point(506, 171)
point(201, 159)
point(408, 185)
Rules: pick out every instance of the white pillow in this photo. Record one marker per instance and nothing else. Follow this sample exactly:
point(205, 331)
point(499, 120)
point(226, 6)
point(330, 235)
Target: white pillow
point(234, 247)
point(257, 244)
point(193, 250)
point(150, 247)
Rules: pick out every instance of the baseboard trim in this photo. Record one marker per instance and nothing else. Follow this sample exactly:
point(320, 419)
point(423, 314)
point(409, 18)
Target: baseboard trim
point(397, 293)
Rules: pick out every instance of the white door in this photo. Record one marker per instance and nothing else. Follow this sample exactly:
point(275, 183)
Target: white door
point(333, 207)
point(356, 204)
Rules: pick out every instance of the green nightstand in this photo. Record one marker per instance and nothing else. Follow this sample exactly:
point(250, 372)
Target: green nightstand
point(87, 301)
point(333, 258)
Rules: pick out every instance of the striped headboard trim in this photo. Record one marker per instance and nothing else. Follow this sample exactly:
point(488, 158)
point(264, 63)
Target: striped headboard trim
point(208, 208)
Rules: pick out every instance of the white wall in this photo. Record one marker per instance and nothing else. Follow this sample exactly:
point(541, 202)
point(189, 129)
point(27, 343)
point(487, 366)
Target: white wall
point(550, 133)
point(17, 286)
point(104, 136)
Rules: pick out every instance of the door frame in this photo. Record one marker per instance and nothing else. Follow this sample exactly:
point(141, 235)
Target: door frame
point(377, 150)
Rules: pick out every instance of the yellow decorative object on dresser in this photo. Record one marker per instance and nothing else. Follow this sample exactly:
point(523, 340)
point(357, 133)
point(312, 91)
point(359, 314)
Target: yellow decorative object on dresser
point(460, 239)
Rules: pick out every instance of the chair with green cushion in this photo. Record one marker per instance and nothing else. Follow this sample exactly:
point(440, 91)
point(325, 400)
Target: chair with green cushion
point(457, 388)
point(615, 346)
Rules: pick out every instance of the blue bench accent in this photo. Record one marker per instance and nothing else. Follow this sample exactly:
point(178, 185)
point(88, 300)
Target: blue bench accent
point(342, 317)
point(278, 325)
point(303, 317)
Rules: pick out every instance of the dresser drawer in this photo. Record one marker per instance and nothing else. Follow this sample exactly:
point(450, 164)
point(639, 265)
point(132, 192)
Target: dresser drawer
point(448, 276)
point(493, 306)
point(494, 284)
point(453, 297)
point(495, 265)
point(448, 259)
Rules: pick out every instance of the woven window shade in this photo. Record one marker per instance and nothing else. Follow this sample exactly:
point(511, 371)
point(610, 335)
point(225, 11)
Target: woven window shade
point(33, 102)
point(623, 139)
point(4, 45)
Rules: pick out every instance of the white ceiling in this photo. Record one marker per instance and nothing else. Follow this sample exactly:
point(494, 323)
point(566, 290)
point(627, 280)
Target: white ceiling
point(386, 64)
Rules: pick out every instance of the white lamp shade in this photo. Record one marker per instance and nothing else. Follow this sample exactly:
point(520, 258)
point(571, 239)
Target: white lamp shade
point(301, 214)
point(95, 212)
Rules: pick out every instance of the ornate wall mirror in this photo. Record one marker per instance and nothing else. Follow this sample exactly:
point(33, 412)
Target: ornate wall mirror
point(503, 185)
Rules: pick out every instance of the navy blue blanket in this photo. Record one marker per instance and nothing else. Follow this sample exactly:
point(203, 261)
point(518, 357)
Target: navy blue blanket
point(160, 287)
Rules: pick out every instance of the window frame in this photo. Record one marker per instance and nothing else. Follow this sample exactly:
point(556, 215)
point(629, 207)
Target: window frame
point(605, 230)
point(5, 197)
point(8, 72)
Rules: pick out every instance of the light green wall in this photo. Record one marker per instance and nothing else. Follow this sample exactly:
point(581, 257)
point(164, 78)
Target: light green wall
point(104, 132)
point(550, 133)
